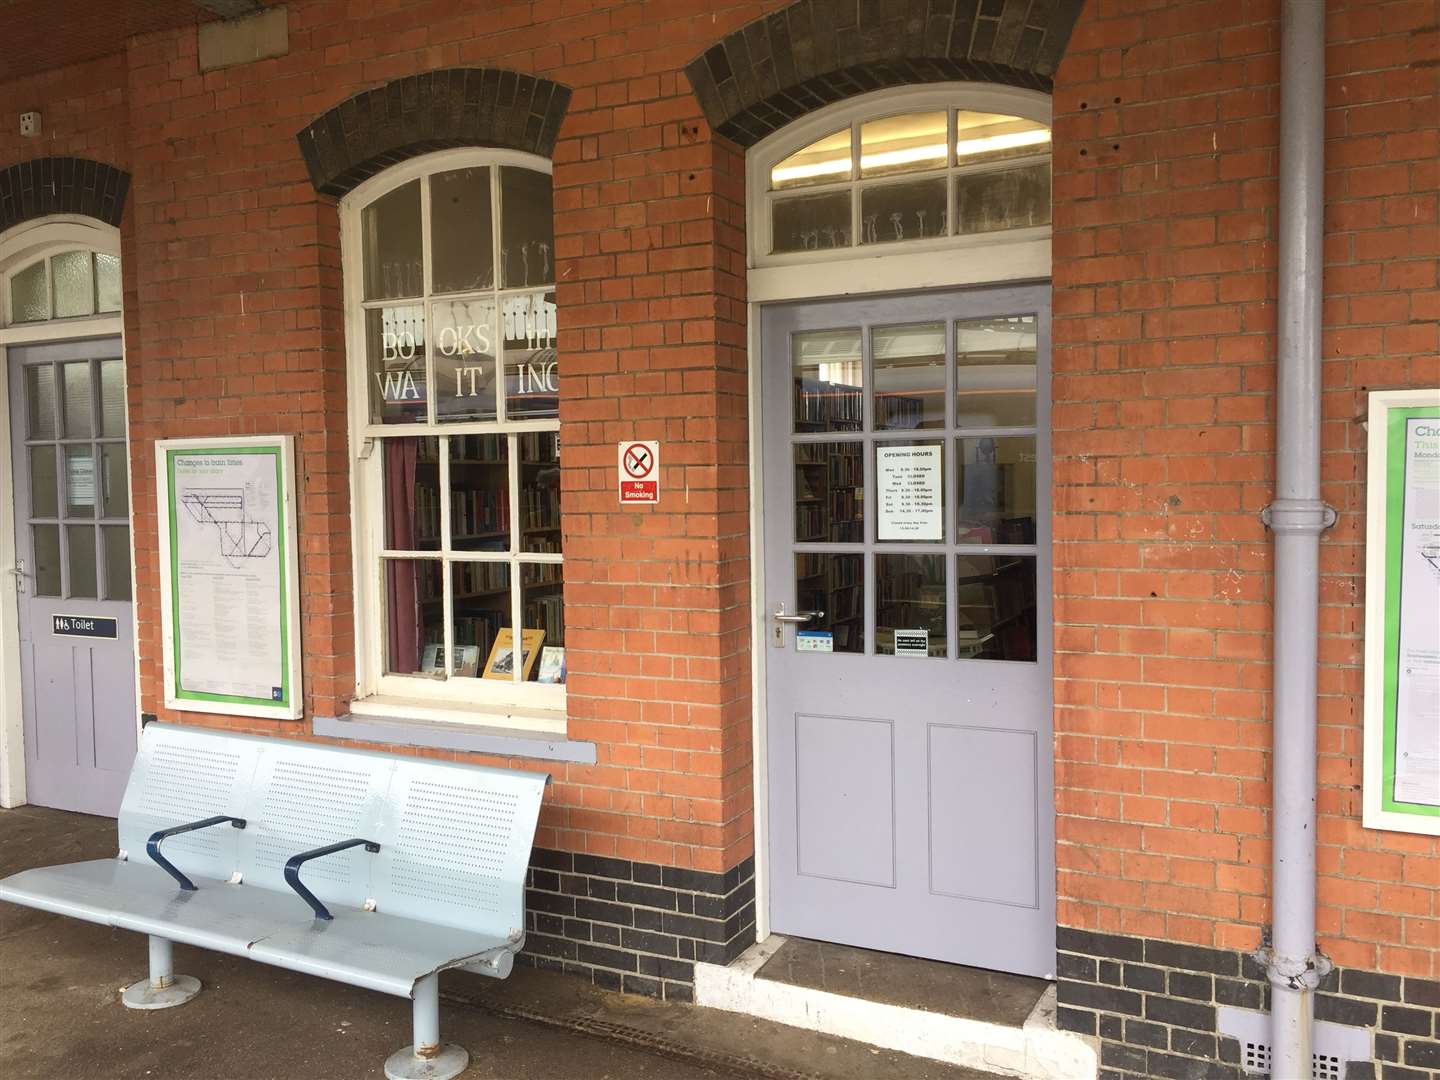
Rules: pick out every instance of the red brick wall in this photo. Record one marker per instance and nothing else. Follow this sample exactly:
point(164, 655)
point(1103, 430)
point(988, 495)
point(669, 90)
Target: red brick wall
point(1166, 133)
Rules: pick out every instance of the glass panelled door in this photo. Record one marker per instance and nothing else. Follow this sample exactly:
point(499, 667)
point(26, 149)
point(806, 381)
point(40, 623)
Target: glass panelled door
point(73, 572)
point(908, 667)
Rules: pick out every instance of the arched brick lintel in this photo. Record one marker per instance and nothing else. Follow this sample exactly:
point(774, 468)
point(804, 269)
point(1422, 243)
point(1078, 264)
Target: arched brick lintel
point(61, 185)
point(434, 110)
point(816, 52)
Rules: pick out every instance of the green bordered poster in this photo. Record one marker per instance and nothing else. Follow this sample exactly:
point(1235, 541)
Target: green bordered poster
point(229, 581)
point(1402, 613)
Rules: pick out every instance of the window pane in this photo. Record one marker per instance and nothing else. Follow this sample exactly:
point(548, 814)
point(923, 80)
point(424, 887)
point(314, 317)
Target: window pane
point(30, 294)
point(995, 372)
point(112, 398)
point(482, 610)
point(910, 605)
point(909, 365)
point(540, 490)
point(909, 490)
point(114, 483)
point(117, 561)
point(811, 222)
point(834, 585)
point(981, 137)
point(532, 366)
point(462, 244)
point(73, 273)
point(79, 481)
point(829, 492)
point(40, 400)
point(1012, 199)
point(80, 539)
point(821, 162)
point(464, 359)
point(395, 345)
point(894, 212)
point(479, 493)
point(44, 501)
point(391, 237)
point(412, 493)
point(829, 380)
point(79, 421)
point(542, 606)
point(527, 228)
point(414, 612)
point(995, 607)
point(899, 144)
point(46, 541)
point(996, 490)
point(107, 282)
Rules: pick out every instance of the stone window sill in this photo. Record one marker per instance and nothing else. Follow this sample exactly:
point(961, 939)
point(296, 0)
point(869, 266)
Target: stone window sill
point(499, 732)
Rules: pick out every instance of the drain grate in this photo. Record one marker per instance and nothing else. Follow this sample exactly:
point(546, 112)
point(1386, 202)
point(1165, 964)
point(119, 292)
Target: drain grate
point(1335, 1044)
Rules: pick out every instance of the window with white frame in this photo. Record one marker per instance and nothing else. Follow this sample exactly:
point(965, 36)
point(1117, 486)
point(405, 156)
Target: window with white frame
point(454, 383)
point(886, 180)
point(66, 285)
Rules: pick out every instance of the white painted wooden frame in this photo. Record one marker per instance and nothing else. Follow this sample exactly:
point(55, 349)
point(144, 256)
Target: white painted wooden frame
point(485, 702)
point(950, 262)
point(19, 247)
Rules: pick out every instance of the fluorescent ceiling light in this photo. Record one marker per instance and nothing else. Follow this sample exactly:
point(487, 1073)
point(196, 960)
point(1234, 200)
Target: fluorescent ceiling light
point(910, 155)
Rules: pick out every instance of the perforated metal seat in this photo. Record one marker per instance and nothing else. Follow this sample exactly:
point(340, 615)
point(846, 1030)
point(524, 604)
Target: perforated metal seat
point(436, 878)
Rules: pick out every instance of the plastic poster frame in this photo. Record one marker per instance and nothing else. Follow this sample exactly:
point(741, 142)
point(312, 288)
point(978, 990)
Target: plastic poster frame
point(290, 704)
point(1389, 411)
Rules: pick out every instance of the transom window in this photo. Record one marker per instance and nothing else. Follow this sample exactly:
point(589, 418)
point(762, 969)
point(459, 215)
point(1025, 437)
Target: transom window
point(917, 176)
point(456, 374)
point(66, 285)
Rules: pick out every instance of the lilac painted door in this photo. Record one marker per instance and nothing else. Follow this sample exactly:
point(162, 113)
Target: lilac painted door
point(906, 444)
point(72, 526)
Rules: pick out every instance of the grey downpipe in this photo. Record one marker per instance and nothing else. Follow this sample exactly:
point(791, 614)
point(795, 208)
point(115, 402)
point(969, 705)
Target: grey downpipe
point(1296, 518)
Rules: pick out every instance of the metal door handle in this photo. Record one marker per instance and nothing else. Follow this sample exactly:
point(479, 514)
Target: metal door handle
point(18, 571)
point(797, 616)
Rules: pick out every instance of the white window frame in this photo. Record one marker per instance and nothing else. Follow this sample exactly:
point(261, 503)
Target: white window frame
point(525, 706)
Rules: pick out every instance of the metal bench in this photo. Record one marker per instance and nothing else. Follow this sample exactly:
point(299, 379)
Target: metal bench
point(366, 868)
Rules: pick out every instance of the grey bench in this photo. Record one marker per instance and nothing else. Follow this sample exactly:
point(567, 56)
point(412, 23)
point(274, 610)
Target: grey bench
point(366, 868)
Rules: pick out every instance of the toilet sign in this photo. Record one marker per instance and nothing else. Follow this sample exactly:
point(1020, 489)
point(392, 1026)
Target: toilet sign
point(639, 473)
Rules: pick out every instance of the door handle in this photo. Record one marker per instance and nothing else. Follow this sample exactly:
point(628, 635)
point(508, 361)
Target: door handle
point(18, 572)
point(797, 616)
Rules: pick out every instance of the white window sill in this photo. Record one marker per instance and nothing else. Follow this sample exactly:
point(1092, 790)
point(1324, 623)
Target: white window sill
point(502, 731)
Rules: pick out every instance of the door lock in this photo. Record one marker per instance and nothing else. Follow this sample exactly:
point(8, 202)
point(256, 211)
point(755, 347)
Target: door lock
point(18, 572)
point(777, 636)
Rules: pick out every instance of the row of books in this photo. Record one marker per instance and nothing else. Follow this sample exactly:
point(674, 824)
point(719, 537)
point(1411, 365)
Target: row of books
point(548, 614)
point(541, 507)
point(535, 447)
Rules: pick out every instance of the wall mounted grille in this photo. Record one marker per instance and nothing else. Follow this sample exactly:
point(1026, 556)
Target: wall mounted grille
point(1335, 1044)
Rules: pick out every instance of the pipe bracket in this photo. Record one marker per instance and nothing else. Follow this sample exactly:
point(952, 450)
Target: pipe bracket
point(1298, 516)
point(1294, 973)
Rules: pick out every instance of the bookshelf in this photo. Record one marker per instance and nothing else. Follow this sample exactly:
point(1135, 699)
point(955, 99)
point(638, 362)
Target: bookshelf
point(833, 584)
point(910, 595)
point(829, 492)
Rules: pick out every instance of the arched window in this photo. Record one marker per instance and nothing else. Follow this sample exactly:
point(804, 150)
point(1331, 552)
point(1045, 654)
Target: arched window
point(899, 172)
point(66, 285)
point(454, 382)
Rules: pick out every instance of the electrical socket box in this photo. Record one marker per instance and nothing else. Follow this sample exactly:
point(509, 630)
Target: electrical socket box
point(29, 124)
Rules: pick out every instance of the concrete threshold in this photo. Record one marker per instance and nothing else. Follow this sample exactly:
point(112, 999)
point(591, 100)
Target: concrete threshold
point(951, 1014)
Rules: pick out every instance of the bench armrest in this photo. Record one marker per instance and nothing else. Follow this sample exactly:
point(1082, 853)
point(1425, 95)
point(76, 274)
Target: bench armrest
point(152, 846)
point(292, 871)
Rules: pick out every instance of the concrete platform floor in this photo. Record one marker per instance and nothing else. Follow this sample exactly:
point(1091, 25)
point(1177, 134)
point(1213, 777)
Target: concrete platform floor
point(61, 1017)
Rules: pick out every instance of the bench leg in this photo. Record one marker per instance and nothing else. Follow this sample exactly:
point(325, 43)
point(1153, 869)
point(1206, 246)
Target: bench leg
point(163, 989)
point(428, 1058)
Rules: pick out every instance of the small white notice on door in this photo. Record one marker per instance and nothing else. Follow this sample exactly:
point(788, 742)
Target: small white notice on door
point(908, 480)
point(912, 642)
point(814, 641)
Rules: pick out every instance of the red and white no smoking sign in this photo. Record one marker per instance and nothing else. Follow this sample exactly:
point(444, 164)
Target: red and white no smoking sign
point(639, 472)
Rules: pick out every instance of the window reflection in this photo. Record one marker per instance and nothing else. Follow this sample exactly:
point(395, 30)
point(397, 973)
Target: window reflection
point(997, 494)
point(995, 607)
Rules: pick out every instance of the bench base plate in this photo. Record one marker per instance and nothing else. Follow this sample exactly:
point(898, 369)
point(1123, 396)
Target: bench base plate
point(404, 1065)
point(142, 996)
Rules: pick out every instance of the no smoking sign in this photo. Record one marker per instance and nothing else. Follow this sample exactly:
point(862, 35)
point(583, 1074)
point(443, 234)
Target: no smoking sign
point(639, 473)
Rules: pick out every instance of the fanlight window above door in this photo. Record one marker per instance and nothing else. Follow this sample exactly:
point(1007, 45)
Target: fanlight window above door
point(68, 285)
point(913, 177)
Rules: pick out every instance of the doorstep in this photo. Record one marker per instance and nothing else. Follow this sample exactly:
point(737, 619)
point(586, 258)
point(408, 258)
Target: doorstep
point(964, 1016)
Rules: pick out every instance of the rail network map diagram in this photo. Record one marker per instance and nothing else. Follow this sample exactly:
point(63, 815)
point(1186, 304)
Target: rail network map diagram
point(240, 537)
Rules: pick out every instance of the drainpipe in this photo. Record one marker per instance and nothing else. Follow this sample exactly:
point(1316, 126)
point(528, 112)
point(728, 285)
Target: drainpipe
point(1296, 519)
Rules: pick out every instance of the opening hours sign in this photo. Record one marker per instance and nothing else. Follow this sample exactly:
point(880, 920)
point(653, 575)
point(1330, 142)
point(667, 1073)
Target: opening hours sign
point(639, 473)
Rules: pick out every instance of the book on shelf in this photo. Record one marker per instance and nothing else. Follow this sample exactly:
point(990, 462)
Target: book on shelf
point(464, 659)
point(552, 665)
point(501, 662)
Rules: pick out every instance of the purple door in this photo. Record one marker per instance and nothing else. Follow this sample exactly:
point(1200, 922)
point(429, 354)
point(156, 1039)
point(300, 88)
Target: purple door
point(72, 544)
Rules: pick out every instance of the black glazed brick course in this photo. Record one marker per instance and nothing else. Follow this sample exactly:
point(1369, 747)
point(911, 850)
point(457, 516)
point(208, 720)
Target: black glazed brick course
point(62, 185)
point(635, 926)
point(433, 110)
point(1162, 1022)
point(815, 52)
